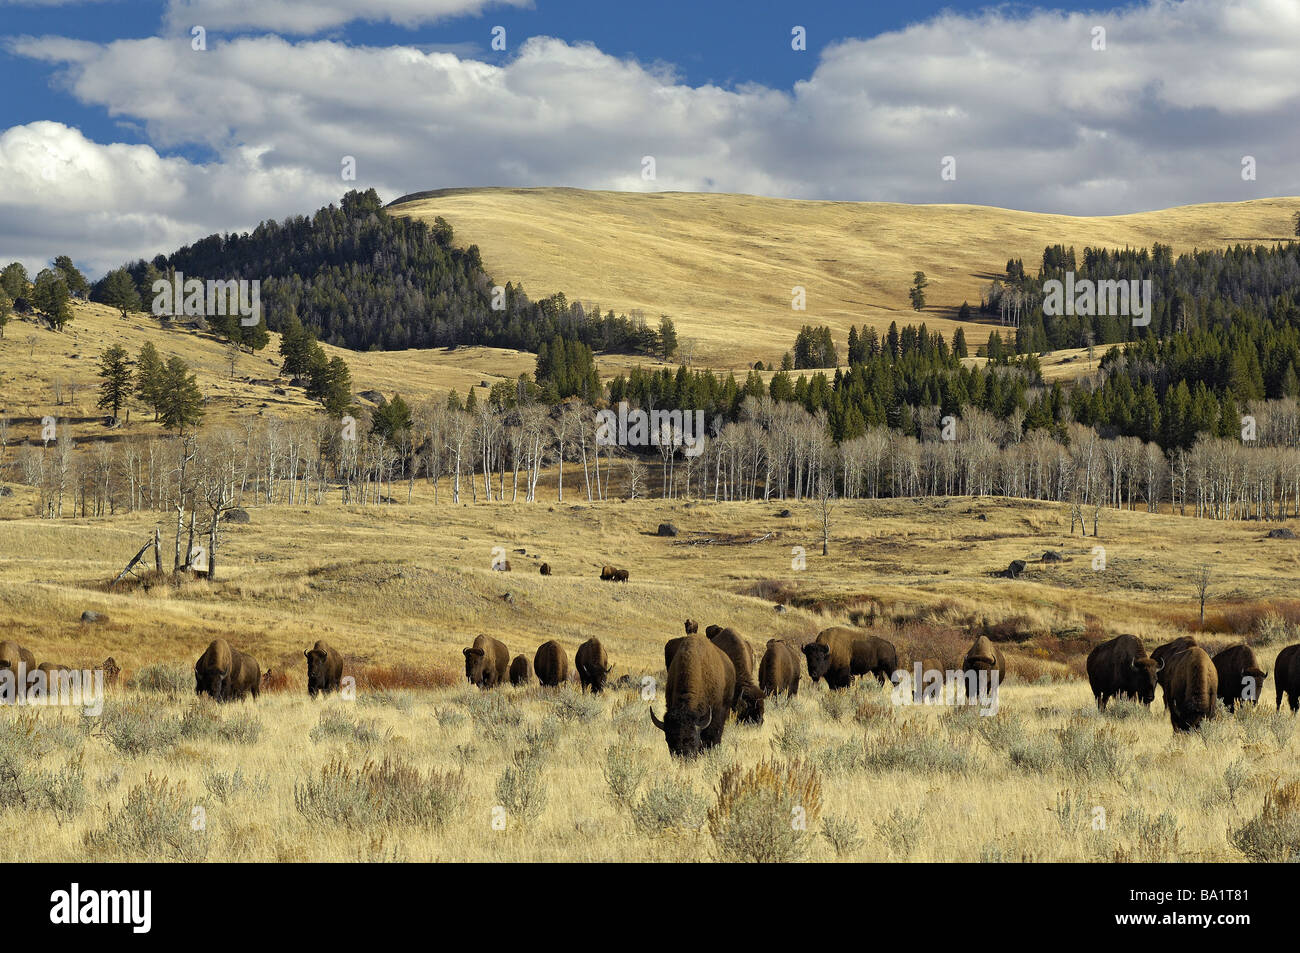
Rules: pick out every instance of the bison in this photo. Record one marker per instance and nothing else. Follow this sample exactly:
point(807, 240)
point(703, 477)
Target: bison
point(830, 656)
point(324, 668)
point(551, 663)
point(779, 669)
point(487, 662)
point(982, 659)
point(670, 649)
point(1286, 676)
point(1163, 654)
point(872, 655)
point(620, 575)
point(1240, 676)
point(1122, 668)
point(692, 626)
point(748, 701)
point(607, 573)
point(226, 674)
point(1191, 688)
point(698, 693)
point(545, 569)
point(15, 659)
point(521, 672)
point(593, 665)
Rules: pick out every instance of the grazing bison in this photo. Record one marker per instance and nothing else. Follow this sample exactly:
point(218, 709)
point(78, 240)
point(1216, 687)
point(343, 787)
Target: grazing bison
point(551, 663)
point(245, 676)
point(1122, 668)
point(698, 693)
point(830, 656)
point(593, 665)
point(872, 655)
point(13, 657)
point(779, 669)
point(1286, 676)
point(213, 669)
point(983, 657)
point(1164, 654)
point(521, 672)
point(1191, 688)
point(545, 569)
point(1240, 676)
point(620, 575)
point(670, 649)
point(692, 626)
point(324, 668)
point(487, 662)
point(607, 573)
point(748, 700)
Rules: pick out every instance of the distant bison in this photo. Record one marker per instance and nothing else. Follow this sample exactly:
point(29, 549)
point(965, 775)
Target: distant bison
point(1286, 676)
point(324, 668)
point(1122, 668)
point(13, 657)
point(982, 660)
point(830, 656)
point(551, 663)
point(545, 569)
point(1164, 654)
point(698, 693)
point(593, 665)
point(487, 662)
point(620, 575)
point(1191, 688)
point(521, 672)
point(872, 655)
point(1241, 678)
point(692, 626)
point(778, 671)
point(748, 700)
point(607, 573)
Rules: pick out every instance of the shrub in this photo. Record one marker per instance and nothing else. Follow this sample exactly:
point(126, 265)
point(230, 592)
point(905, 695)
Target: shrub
point(762, 813)
point(842, 833)
point(495, 716)
point(392, 792)
point(338, 725)
point(135, 728)
point(152, 824)
point(1274, 833)
point(201, 721)
point(901, 829)
point(402, 701)
point(911, 747)
point(227, 786)
point(573, 707)
point(1091, 746)
point(669, 805)
point(172, 678)
point(624, 771)
point(520, 789)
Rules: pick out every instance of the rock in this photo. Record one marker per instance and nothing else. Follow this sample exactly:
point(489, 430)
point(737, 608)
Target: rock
point(237, 516)
point(508, 597)
point(279, 392)
point(780, 608)
point(667, 529)
point(373, 396)
point(1052, 556)
point(784, 514)
point(1282, 533)
point(5, 491)
point(1015, 569)
point(92, 618)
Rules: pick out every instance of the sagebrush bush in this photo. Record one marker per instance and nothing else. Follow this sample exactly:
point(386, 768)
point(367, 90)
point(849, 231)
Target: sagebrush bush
point(495, 716)
point(763, 814)
point(138, 728)
point(842, 833)
point(338, 725)
point(202, 722)
point(624, 770)
point(914, 747)
point(171, 678)
point(667, 806)
point(153, 823)
point(520, 789)
point(391, 792)
point(1274, 833)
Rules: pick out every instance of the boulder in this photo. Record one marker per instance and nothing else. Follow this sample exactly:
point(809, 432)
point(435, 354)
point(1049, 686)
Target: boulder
point(90, 617)
point(1015, 569)
point(237, 516)
point(1282, 533)
point(1052, 556)
point(667, 529)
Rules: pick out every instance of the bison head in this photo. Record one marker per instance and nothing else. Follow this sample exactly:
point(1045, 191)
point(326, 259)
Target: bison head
point(208, 682)
point(712, 630)
point(1144, 672)
point(315, 670)
point(819, 659)
point(692, 626)
point(683, 729)
point(477, 668)
point(749, 704)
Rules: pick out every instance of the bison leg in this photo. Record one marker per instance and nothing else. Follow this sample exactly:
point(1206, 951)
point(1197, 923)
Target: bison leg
point(1293, 699)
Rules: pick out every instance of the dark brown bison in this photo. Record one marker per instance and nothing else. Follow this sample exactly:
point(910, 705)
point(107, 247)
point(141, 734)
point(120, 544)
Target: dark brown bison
point(830, 656)
point(551, 663)
point(1192, 686)
point(670, 649)
point(593, 665)
point(698, 694)
point(982, 660)
point(1286, 676)
point(1241, 677)
point(872, 655)
point(1122, 668)
point(620, 575)
point(487, 662)
point(779, 669)
point(607, 573)
point(213, 669)
point(521, 672)
point(1163, 654)
point(748, 701)
point(324, 668)
point(692, 626)
point(545, 569)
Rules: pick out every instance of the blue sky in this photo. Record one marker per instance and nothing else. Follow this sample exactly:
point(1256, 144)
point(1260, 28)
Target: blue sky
point(128, 141)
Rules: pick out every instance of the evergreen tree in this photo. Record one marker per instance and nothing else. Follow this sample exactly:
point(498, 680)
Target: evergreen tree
point(149, 381)
point(667, 338)
point(391, 420)
point(115, 380)
point(959, 348)
point(76, 282)
point(14, 280)
point(917, 294)
point(50, 296)
point(181, 400)
point(6, 309)
point(118, 290)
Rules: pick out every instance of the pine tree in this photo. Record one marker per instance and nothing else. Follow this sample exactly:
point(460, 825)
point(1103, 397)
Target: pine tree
point(74, 279)
point(14, 280)
point(149, 378)
point(50, 296)
point(6, 309)
point(181, 401)
point(115, 376)
point(959, 348)
point(118, 290)
point(917, 294)
point(667, 338)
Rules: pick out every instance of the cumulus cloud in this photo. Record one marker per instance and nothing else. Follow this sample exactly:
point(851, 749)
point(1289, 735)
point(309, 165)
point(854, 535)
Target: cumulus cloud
point(1036, 117)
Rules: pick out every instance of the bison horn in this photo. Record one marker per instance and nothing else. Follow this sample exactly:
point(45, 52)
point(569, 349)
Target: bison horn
point(707, 721)
point(657, 723)
point(1160, 664)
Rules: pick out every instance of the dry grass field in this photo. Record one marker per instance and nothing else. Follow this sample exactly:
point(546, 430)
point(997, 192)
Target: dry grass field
point(400, 589)
point(723, 266)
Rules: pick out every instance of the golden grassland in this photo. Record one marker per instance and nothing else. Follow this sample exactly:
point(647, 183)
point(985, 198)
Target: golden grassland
point(400, 589)
point(723, 266)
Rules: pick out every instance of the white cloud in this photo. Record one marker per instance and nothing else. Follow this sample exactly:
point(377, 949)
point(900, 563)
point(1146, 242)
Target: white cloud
point(1036, 117)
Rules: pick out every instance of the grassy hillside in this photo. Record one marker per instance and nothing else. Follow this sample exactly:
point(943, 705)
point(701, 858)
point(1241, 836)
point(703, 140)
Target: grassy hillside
point(723, 266)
